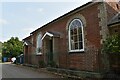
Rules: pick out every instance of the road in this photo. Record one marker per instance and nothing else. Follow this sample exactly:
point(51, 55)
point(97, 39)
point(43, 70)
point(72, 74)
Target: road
point(13, 71)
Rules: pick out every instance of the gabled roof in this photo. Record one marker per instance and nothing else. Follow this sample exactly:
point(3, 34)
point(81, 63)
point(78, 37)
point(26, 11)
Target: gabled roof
point(51, 34)
point(26, 38)
point(115, 19)
point(67, 14)
point(26, 42)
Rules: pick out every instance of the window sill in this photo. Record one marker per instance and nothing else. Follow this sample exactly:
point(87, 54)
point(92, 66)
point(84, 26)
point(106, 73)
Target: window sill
point(39, 54)
point(76, 51)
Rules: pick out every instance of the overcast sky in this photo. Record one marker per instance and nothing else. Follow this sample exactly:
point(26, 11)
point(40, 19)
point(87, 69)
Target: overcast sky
point(18, 19)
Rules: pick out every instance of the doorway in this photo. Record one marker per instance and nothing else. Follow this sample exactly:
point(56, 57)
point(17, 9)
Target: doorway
point(49, 50)
point(50, 53)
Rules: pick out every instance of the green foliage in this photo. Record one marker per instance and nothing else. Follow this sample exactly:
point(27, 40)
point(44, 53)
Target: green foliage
point(41, 64)
point(0, 51)
point(112, 44)
point(0, 47)
point(12, 47)
point(52, 64)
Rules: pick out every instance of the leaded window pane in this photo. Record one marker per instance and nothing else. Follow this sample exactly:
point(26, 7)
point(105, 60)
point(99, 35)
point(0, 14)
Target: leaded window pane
point(72, 37)
point(75, 38)
point(72, 45)
point(76, 45)
point(76, 41)
point(80, 37)
point(80, 45)
point(39, 43)
point(79, 30)
point(75, 31)
point(71, 31)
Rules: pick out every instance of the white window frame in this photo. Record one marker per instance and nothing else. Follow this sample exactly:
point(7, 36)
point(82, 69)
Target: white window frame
point(38, 53)
point(69, 36)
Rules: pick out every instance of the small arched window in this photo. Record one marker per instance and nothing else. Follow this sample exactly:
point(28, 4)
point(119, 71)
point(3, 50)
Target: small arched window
point(76, 40)
point(39, 44)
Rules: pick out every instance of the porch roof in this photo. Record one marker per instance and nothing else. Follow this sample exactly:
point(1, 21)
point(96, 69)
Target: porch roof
point(26, 42)
point(115, 20)
point(51, 34)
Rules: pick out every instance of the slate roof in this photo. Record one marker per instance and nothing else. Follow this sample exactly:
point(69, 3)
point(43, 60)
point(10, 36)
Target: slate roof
point(115, 20)
point(56, 34)
point(27, 38)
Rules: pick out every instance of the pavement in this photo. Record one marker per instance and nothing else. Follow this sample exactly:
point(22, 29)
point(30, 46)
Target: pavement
point(17, 71)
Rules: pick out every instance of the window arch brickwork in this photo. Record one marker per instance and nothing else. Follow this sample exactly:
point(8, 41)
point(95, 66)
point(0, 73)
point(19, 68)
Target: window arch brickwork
point(76, 35)
point(80, 20)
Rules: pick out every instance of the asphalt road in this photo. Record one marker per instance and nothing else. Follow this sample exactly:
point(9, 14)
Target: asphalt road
point(13, 71)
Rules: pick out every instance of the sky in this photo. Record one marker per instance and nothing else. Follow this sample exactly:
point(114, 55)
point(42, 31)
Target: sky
point(20, 18)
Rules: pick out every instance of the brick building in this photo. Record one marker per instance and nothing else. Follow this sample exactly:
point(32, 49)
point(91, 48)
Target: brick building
point(73, 41)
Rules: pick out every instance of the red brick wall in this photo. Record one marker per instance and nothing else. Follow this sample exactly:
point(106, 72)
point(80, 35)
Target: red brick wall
point(59, 27)
point(115, 29)
point(112, 9)
point(82, 61)
point(30, 55)
point(89, 59)
point(36, 58)
point(27, 52)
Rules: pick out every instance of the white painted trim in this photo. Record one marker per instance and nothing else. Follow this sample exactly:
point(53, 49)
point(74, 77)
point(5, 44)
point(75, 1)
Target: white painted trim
point(81, 50)
point(25, 43)
point(39, 53)
point(47, 33)
point(77, 50)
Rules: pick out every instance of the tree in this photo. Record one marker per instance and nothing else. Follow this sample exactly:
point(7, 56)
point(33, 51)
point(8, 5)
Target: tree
point(0, 47)
point(0, 50)
point(12, 47)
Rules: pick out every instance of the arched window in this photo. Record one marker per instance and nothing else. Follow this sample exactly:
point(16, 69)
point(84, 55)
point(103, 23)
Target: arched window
point(76, 40)
point(39, 44)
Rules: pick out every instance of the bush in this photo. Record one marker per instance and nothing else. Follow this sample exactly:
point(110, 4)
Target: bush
point(112, 44)
point(41, 64)
point(52, 64)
